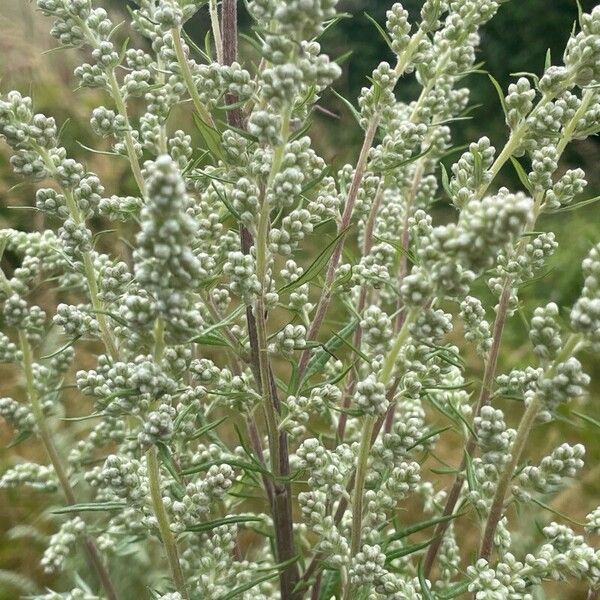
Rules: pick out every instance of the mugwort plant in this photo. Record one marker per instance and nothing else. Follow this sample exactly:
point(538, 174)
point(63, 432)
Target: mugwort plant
point(264, 348)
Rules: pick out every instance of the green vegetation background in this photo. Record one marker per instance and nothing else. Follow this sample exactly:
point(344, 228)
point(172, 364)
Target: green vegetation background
point(516, 40)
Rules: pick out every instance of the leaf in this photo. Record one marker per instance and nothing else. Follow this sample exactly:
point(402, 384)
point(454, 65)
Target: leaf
point(399, 248)
point(407, 550)
point(408, 161)
point(230, 317)
point(445, 181)
point(587, 419)
point(318, 361)
point(425, 591)
point(455, 590)
point(61, 349)
point(211, 137)
point(248, 586)
point(206, 429)
point(382, 31)
point(234, 463)
point(349, 105)
point(330, 585)
point(21, 437)
point(421, 526)
point(224, 521)
point(575, 206)
point(521, 174)
point(429, 436)
point(557, 513)
point(471, 481)
point(316, 266)
point(548, 60)
point(165, 457)
point(90, 507)
point(500, 92)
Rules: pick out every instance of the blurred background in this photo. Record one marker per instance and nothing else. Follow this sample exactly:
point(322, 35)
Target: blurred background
point(516, 40)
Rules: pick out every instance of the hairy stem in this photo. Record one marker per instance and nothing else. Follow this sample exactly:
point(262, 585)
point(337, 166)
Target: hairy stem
point(188, 78)
point(521, 439)
point(92, 554)
point(325, 298)
point(216, 29)
point(167, 537)
point(492, 360)
point(362, 301)
point(129, 143)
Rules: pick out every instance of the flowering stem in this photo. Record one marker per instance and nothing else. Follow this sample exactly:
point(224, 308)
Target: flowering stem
point(492, 360)
point(189, 79)
point(88, 267)
point(216, 29)
point(122, 109)
point(158, 507)
point(325, 298)
point(168, 539)
point(362, 300)
point(93, 556)
point(521, 439)
point(359, 484)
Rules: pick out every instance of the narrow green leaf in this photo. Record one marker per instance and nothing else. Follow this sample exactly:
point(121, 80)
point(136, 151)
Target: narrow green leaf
point(21, 437)
point(406, 531)
point(382, 32)
point(576, 206)
point(548, 60)
point(211, 137)
point(407, 550)
point(61, 349)
point(316, 266)
point(209, 525)
point(587, 419)
point(455, 590)
point(425, 591)
point(318, 361)
point(445, 181)
point(521, 173)
point(165, 457)
point(498, 88)
point(206, 429)
point(349, 105)
point(429, 435)
point(90, 507)
point(248, 586)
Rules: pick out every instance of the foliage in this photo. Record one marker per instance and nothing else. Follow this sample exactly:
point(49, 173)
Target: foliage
point(263, 402)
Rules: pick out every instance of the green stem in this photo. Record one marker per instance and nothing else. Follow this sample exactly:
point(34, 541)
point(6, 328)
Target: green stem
point(189, 79)
point(358, 495)
point(521, 439)
point(168, 539)
point(216, 29)
point(390, 360)
point(93, 556)
point(90, 276)
point(117, 97)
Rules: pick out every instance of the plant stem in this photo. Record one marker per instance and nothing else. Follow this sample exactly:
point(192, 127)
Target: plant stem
point(189, 79)
point(521, 439)
point(216, 29)
point(325, 298)
point(158, 507)
point(129, 143)
point(168, 539)
point(362, 300)
point(92, 554)
point(359, 484)
point(492, 361)
point(483, 400)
